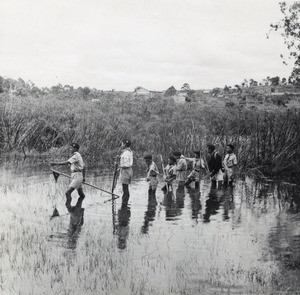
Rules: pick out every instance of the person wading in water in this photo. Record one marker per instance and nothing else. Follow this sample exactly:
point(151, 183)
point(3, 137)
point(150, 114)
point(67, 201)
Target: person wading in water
point(215, 167)
point(126, 173)
point(77, 173)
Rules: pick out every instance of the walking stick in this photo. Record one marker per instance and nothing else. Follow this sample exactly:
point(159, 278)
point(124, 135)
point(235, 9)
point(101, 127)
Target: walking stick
point(162, 165)
point(165, 174)
point(113, 203)
point(115, 180)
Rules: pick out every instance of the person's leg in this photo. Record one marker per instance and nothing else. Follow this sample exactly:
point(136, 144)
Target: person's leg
point(219, 184)
point(125, 196)
point(164, 188)
point(68, 196)
point(181, 185)
point(188, 181)
point(230, 177)
point(81, 195)
point(213, 183)
point(153, 186)
point(225, 178)
point(151, 192)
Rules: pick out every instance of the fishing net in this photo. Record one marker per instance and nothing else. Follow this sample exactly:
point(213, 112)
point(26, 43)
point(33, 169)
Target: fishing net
point(56, 175)
point(55, 213)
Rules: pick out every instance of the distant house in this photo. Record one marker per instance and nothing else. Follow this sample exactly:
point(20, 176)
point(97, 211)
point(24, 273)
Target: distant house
point(140, 91)
point(154, 93)
point(205, 93)
point(181, 96)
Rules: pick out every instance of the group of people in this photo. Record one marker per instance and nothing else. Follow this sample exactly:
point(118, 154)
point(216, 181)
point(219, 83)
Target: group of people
point(221, 171)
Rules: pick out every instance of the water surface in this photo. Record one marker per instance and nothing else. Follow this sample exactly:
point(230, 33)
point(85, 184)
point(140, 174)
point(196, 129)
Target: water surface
point(244, 240)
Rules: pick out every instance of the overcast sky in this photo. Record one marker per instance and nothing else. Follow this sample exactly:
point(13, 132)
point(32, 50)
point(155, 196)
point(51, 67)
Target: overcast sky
point(122, 44)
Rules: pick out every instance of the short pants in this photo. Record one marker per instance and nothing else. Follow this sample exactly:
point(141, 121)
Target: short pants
point(126, 175)
point(153, 182)
point(76, 180)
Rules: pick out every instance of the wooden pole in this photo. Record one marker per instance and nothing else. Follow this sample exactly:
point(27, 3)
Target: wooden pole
point(88, 184)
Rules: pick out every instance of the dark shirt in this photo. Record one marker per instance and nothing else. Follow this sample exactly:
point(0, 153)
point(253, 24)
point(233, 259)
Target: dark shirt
point(214, 163)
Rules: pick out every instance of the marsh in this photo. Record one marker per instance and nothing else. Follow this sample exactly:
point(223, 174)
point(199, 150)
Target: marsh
point(208, 241)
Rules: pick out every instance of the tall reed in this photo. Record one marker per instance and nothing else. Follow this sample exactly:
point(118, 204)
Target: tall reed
point(266, 140)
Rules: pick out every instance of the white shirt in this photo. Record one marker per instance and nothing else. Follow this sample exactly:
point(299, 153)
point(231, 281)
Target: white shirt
point(230, 160)
point(76, 162)
point(153, 168)
point(126, 159)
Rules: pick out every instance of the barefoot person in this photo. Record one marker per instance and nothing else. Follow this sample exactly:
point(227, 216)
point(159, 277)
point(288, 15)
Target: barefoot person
point(152, 174)
point(77, 173)
point(170, 176)
point(229, 162)
point(126, 173)
point(181, 168)
point(198, 164)
point(215, 166)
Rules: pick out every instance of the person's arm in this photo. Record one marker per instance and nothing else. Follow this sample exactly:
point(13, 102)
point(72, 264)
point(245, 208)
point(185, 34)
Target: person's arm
point(59, 163)
point(148, 173)
point(172, 175)
point(189, 159)
point(225, 163)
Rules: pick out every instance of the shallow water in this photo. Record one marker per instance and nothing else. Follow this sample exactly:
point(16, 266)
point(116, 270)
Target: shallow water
point(244, 240)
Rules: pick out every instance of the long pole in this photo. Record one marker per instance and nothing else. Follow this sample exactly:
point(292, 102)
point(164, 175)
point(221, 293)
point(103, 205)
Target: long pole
point(162, 165)
point(113, 200)
point(88, 184)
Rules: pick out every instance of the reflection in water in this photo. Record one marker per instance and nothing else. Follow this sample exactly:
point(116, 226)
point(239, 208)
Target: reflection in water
point(228, 203)
point(195, 202)
point(260, 244)
point(113, 214)
point(150, 213)
point(180, 195)
point(215, 197)
point(76, 221)
point(174, 204)
point(170, 205)
point(123, 226)
point(285, 237)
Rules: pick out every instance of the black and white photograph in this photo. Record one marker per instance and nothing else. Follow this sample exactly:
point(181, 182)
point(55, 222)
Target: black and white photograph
point(149, 147)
